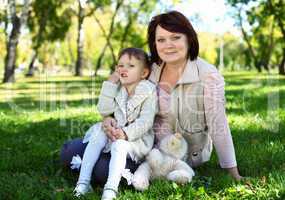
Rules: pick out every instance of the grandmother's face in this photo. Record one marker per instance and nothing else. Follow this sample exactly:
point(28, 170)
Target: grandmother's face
point(171, 47)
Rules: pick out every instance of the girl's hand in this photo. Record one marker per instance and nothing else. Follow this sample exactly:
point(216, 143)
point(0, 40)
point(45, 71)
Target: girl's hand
point(120, 134)
point(109, 125)
point(114, 77)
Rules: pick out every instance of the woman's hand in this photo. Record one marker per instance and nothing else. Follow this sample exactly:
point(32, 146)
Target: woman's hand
point(109, 125)
point(235, 173)
point(114, 77)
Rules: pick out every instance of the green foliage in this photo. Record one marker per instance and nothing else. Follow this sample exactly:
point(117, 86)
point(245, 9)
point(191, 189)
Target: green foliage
point(100, 3)
point(39, 114)
point(50, 19)
point(265, 22)
point(234, 52)
point(208, 47)
point(134, 38)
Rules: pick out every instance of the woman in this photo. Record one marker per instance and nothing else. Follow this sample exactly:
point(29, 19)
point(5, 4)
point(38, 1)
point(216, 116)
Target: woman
point(190, 93)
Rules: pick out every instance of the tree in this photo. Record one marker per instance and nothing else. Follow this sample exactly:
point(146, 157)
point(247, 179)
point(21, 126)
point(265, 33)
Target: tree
point(46, 23)
point(234, 52)
point(16, 21)
point(277, 8)
point(107, 35)
point(127, 31)
point(266, 20)
point(81, 15)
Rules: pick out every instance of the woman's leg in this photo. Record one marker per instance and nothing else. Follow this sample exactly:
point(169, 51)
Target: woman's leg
point(71, 148)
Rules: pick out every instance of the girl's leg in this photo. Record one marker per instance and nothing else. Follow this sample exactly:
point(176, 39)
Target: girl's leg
point(91, 155)
point(119, 151)
point(101, 168)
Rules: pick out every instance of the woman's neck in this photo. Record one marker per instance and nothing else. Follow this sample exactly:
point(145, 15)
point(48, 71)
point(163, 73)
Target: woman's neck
point(176, 68)
point(170, 74)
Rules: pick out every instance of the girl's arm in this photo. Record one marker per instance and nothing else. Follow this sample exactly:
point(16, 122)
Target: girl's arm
point(106, 103)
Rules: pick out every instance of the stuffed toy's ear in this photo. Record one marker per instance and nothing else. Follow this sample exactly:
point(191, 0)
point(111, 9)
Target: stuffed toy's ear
point(178, 135)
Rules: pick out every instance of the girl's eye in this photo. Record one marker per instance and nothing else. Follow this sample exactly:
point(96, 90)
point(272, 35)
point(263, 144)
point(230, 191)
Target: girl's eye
point(132, 65)
point(119, 66)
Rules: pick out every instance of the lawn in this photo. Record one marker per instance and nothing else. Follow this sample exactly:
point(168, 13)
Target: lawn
point(37, 115)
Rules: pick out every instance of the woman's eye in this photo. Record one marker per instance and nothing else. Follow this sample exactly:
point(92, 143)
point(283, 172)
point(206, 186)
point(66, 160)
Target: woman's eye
point(176, 37)
point(160, 40)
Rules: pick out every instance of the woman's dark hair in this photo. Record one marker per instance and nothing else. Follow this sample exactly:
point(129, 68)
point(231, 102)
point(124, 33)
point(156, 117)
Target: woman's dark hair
point(172, 21)
point(138, 54)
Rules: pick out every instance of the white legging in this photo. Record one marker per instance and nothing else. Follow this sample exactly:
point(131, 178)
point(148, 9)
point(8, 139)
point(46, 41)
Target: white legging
point(119, 152)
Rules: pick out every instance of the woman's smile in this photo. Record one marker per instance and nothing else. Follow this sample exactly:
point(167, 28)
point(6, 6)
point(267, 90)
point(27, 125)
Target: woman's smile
point(172, 47)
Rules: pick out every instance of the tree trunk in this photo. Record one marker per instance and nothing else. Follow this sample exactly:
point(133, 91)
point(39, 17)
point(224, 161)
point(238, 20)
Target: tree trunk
point(80, 41)
point(99, 60)
point(31, 70)
point(247, 40)
point(282, 64)
point(108, 38)
point(131, 19)
point(38, 43)
point(279, 18)
point(10, 59)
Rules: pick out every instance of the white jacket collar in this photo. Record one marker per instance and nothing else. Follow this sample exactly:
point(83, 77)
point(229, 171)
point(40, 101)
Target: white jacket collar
point(190, 73)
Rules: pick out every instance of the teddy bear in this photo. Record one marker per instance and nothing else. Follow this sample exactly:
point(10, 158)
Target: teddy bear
point(166, 162)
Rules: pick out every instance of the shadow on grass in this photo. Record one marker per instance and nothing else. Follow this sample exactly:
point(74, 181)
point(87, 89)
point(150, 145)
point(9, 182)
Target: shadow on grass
point(30, 150)
point(249, 97)
point(21, 104)
point(33, 149)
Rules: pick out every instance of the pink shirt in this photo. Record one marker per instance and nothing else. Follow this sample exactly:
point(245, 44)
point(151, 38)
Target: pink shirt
point(214, 101)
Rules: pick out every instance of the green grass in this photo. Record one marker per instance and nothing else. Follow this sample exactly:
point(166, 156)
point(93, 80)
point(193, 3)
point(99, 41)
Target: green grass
point(37, 115)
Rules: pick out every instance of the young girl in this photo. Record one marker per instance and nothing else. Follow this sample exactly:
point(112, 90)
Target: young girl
point(133, 102)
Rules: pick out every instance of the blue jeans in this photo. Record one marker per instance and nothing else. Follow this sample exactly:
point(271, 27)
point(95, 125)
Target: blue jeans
point(101, 168)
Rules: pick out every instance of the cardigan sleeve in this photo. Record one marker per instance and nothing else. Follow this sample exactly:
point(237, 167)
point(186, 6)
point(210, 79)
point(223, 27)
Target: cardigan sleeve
point(106, 103)
point(214, 100)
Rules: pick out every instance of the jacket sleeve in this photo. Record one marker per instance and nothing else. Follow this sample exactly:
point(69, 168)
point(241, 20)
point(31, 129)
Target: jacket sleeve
point(106, 103)
point(144, 122)
point(219, 130)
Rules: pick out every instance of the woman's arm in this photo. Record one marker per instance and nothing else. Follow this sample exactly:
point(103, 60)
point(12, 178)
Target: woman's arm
point(214, 98)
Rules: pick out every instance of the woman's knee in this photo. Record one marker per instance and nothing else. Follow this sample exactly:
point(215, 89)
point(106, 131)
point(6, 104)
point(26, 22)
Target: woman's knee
point(70, 149)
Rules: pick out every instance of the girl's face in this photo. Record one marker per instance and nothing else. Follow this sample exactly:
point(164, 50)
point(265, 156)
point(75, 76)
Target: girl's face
point(131, 70)
point(172, 48)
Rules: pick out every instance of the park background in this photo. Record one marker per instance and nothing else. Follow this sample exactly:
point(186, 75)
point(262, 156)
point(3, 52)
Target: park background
point(54, 56)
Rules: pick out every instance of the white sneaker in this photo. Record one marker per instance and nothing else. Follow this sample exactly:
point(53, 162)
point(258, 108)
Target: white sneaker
point(109, 194)
point(82, 189)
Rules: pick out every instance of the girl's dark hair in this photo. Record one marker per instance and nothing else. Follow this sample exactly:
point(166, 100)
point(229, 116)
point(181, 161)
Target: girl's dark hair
point(172, 21)
point(138, 54)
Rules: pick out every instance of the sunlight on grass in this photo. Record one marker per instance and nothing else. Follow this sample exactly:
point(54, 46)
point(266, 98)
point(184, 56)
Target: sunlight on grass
point(39, 114)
